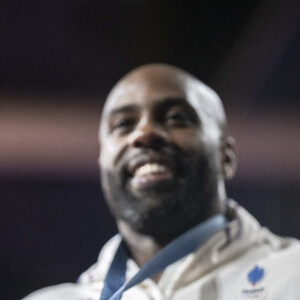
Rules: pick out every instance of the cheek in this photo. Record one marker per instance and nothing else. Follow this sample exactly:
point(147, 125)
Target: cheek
point(198, 147)
point(104, 158)
point(189, 141)
point(110, 149)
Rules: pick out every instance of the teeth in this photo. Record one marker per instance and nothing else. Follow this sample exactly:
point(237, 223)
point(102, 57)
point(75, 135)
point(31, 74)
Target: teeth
point(150, 168)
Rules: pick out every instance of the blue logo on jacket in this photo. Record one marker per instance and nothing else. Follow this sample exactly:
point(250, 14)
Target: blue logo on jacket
point(256, 274)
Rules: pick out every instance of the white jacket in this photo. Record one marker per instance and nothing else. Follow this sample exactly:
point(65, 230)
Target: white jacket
point(218, 270)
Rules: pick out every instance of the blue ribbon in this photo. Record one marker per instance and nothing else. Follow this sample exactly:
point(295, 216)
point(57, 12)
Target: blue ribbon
point(115, 285)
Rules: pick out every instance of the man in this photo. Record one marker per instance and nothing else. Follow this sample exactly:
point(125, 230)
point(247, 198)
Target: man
point(164, 157)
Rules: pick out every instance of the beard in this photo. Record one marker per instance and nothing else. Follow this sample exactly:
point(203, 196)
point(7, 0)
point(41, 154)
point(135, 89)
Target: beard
point(165, 212)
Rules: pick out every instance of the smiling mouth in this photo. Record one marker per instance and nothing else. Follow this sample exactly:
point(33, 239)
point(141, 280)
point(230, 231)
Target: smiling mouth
point(151, 175)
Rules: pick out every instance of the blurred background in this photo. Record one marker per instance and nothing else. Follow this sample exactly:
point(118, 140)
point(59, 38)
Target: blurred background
point(59, 59)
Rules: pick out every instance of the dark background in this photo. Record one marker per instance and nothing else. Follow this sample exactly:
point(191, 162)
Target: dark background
point(58, 60)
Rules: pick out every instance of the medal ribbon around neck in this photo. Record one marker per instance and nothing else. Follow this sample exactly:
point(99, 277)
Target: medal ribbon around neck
point(115, 285)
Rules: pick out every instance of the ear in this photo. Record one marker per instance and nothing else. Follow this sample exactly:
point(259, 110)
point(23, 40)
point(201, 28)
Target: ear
point(229, 160)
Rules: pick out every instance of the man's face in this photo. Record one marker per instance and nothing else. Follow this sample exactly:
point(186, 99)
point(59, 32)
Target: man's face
point(160, 153)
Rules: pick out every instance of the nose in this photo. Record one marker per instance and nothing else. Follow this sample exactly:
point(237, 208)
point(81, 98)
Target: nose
point(148, 135)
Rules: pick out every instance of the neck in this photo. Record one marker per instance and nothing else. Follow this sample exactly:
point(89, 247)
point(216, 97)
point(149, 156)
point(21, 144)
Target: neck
point(142, 247)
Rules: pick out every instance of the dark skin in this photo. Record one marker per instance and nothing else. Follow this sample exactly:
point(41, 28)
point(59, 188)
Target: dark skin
point(162, 117)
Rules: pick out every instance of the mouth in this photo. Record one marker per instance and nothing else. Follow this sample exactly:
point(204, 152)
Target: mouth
point(147, 173)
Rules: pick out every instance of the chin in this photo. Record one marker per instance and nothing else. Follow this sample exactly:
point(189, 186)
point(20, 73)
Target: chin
point(163, 209)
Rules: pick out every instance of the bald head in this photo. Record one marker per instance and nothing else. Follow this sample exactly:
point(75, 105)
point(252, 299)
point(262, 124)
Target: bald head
point(203, 98)
point(164, 153)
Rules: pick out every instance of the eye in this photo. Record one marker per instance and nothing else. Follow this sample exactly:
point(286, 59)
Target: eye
point(122, 125)
point(178, 118)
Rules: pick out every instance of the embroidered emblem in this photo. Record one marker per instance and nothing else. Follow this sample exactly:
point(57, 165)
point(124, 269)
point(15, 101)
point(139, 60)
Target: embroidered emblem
point(254, 290)
point(255, 275)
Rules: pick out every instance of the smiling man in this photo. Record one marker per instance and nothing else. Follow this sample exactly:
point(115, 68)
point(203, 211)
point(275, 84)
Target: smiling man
point(164, 158)
point(164, 153)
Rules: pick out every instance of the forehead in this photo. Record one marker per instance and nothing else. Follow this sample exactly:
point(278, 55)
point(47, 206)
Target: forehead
point(150, 89)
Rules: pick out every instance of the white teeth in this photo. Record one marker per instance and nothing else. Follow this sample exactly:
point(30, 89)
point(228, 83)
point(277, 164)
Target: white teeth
point(150, 168)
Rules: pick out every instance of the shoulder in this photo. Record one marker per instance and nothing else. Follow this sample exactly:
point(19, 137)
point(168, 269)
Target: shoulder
point(278, 256)
point(67, 291)
point(89, 283)
point(286, 257)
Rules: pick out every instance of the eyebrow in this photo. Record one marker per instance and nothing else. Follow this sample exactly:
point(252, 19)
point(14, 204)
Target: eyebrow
point(169, 102)
point(164, 103)
point(123, 109)
point(180, 101)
